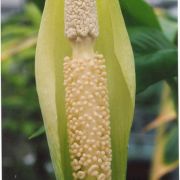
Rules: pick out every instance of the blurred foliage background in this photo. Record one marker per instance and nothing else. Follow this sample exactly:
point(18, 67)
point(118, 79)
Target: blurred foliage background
point(153, 146)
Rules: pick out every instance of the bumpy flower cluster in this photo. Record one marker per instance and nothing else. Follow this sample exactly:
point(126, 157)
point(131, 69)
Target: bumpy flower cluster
point(80, 18)
point(88, 117)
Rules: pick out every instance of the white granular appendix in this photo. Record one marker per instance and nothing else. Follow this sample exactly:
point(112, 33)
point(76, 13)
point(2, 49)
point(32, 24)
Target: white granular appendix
point(88, 117)
point(80, 18)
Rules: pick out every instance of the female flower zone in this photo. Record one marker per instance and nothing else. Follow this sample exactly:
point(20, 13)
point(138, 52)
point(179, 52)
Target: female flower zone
point(86, 86)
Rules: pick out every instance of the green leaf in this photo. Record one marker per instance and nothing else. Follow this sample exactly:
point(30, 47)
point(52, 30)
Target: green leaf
point(11, 31)
point(37, 133)
point(159, 66)
point(171, 147)
point(155, 57)
point(33, 14)
point(173, 83)
point(139, 13)
point(169, 28)
point(39, 3)
point(148, 40)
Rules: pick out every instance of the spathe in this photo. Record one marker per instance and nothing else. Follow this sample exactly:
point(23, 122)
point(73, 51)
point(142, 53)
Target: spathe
point(113, 43)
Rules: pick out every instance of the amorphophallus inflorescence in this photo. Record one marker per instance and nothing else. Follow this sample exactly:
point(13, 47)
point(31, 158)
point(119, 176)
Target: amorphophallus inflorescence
point(86, 86)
